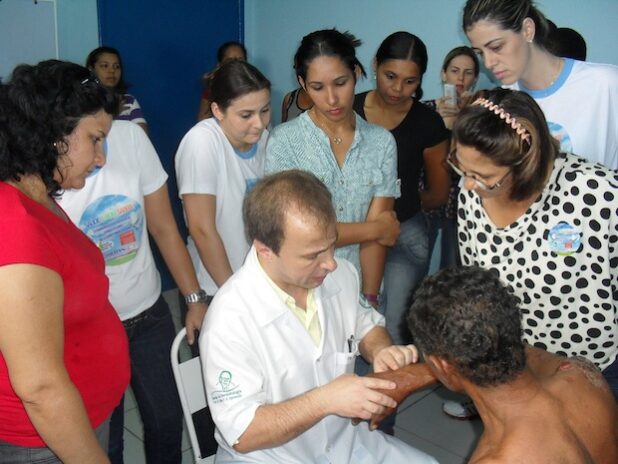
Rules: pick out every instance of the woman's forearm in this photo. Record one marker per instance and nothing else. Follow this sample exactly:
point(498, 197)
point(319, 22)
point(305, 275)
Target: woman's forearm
point(372, 260)
point(213, 256)
point(349, 233)
point(59, 416)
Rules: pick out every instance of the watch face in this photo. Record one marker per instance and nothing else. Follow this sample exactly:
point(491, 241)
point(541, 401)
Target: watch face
point(196, 297)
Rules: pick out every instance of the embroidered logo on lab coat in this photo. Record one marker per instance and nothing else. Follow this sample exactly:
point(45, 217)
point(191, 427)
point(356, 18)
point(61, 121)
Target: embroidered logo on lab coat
point(228, 390)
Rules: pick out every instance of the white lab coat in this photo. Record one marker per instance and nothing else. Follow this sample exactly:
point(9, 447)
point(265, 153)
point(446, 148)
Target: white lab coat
point(255, 351)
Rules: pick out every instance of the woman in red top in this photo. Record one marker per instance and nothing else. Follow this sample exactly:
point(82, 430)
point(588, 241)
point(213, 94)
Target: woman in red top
point(63, 352)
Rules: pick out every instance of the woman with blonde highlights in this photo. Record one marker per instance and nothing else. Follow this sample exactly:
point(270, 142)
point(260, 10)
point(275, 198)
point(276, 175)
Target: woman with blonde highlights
point(544, 221)
point(511, 38)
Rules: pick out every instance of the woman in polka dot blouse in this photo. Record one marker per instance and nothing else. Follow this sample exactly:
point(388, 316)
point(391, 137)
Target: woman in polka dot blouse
point(546, 222)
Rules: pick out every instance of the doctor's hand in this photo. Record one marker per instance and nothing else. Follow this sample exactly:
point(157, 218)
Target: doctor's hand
point(393, 357)
point(357, 397)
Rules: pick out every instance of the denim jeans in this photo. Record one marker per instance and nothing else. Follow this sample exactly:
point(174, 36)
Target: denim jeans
point(13, 454)
point(406, 266)
point(449, 249)
point(152, 381)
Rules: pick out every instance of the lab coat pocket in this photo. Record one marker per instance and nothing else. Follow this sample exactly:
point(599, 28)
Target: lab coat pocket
point(344, 363)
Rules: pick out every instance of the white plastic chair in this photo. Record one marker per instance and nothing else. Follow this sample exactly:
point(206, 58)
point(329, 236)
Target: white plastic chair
point(190, 385)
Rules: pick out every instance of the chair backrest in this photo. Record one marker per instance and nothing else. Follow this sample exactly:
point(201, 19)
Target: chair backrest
point(190, 384)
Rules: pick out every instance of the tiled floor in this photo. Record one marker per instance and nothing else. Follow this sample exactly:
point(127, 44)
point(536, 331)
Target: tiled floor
point(420, 422)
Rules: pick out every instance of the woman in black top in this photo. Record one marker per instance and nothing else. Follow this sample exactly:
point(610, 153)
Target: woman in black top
point(422, 144)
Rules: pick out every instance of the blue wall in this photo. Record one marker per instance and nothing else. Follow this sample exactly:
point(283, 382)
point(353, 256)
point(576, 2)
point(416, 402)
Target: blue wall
point(166, 47)
point(27, 33)
point(273, 30)
point(78, 29)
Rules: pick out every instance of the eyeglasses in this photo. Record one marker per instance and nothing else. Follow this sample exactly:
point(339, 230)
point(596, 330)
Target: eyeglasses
point(477, 182)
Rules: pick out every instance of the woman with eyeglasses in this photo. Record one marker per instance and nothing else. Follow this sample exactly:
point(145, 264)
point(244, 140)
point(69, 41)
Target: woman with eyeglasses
point(64, 361)
point(546, 222)
point(579, 99)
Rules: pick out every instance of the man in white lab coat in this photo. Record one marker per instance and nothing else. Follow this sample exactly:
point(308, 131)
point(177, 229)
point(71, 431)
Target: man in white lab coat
point(280, 338)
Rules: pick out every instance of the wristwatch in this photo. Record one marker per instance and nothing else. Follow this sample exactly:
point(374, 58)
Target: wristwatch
point(196, 297)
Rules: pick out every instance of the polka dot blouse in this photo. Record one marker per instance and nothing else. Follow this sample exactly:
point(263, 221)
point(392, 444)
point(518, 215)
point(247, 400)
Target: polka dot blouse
point(560, 258)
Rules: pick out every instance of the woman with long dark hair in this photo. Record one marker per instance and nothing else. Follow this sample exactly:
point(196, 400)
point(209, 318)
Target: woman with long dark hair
point(579, 99)
point(422, 145)
point(218, 161)
point(357, 161)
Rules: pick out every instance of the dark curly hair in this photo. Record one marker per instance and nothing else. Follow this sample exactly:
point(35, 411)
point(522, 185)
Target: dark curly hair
point(466, 316)
point(39, 107)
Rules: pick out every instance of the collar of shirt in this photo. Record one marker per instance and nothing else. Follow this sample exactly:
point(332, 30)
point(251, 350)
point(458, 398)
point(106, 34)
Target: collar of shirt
point(308, 317)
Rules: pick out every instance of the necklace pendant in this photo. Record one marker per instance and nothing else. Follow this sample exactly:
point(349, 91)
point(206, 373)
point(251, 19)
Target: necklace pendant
point(337, 140)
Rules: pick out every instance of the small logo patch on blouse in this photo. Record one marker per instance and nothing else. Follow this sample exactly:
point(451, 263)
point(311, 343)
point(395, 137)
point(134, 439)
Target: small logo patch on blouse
point(565, 239)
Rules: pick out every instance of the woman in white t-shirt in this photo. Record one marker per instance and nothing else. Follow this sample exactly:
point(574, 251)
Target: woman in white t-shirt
point(121, 206)
point(218, 161)
point(579, 99)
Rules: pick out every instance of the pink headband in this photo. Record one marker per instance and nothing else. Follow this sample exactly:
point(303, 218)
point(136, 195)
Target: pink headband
point(502, 114)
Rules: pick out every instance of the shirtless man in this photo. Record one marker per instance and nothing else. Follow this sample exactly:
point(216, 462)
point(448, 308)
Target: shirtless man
point(536, 407)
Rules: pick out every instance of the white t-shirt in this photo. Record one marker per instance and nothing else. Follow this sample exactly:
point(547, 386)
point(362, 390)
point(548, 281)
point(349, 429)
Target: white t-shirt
point(581, 108)
point(110, 211)
point(206, 163)
point(560, 258)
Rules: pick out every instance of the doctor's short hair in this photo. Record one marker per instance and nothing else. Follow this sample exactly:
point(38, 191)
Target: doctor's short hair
point(468, 317)
point(265, 207)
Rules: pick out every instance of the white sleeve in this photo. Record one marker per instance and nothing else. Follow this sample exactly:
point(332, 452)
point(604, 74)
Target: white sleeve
point(366, 316)
point(233, 373)
point(197, 163)
point(151, 173)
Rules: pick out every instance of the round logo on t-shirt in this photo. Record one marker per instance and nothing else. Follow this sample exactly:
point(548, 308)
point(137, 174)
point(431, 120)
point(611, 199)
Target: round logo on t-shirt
point(115, 224)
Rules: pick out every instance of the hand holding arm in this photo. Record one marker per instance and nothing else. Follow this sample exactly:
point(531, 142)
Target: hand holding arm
point(346, 396)
point(373, 342)
point(409, 379)
point(383, 228)
point(394, 357)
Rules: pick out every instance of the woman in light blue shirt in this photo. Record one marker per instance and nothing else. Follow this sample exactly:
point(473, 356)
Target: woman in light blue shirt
point(356, 160)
